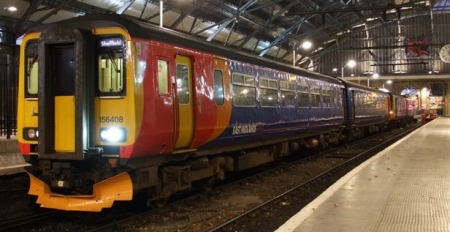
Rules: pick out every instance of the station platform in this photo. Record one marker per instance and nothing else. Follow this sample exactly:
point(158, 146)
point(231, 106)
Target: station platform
point(11, 161)
point(406, 187)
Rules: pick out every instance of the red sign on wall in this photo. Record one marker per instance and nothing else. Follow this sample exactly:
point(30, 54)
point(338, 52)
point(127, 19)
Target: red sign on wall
point(417, 47)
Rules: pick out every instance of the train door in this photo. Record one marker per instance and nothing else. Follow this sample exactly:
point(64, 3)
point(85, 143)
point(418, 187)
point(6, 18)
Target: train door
point(349, 101)
point(66, 93)
point(64, 85)
point(354, 106)
point(185, 86)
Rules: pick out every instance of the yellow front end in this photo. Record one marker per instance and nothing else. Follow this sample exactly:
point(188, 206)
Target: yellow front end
point(109, 113)
point(117, 188)
point(27, 109)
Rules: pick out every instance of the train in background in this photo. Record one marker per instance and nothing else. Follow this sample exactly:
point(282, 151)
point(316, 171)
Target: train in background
point(401, 111)
point(110, 107)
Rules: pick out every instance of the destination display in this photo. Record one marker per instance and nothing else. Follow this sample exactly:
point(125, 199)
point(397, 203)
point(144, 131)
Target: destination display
point(110, 42)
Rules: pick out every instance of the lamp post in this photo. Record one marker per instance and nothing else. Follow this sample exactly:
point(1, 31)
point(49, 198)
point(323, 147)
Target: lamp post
point(387, 82)
point(374, 76)
point(350, 63)
point(161, 5)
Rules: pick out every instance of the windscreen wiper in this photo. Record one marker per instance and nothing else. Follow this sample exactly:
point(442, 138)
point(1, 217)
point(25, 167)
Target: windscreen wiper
point(112, 57)
point(31, 66)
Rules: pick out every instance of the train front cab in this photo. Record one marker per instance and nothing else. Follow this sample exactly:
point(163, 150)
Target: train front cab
point(398, 111)
point(68, 97)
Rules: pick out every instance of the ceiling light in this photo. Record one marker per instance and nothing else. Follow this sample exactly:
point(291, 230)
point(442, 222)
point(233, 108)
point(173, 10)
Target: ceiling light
point(12, 8)
point(306, 45)
point(351, 63)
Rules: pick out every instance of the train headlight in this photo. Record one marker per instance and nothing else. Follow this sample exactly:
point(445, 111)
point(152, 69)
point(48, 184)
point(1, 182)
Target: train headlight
point(113, 134)
point(30, 133)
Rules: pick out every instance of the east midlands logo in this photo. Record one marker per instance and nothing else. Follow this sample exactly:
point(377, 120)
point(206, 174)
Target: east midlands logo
point(239, 129)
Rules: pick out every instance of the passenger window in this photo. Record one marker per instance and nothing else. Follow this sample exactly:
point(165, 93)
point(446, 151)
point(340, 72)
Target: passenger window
point(303, 95)
point(339, 97)
point(183, 83)
point(287, 90)
point(31, 68)
point(332, 97)
point(326, 97)
point(244, 90)
point(218, 88)
point(269, 92)
point(238, 78)
point(315, 96)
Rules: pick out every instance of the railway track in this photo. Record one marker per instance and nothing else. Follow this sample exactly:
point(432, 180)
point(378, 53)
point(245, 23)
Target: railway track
point(240, 223)
point(16, 223)
point(259, 202)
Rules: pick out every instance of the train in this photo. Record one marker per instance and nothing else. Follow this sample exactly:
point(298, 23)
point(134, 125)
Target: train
point(110, 107)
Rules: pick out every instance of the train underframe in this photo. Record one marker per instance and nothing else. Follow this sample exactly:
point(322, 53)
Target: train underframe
point(158, 178)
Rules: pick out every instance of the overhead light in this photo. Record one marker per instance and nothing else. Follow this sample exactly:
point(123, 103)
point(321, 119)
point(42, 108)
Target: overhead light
point(12, 8)
point(306, 45)
point(351, 63)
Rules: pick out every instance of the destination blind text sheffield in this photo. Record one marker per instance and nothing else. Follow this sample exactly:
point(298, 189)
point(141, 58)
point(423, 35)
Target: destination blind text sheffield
point(111, 42)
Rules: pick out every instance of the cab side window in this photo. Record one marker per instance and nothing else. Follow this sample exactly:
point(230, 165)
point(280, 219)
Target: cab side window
point(31, 69)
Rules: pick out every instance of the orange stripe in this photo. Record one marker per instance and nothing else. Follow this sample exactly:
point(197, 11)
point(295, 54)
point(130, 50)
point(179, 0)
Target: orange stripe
point(223, 113)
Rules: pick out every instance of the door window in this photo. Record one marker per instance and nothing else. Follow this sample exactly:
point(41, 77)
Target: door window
point(183, 84)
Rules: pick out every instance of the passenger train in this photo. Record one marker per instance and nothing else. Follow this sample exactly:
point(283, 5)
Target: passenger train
point(110, 107)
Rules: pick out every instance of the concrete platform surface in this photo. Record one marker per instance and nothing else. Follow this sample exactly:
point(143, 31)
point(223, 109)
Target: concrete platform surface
point(405, 187)
point(11, 161)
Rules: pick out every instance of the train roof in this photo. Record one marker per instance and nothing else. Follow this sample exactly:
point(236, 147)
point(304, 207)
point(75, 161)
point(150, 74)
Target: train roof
point(352, 85)
point(142, 29)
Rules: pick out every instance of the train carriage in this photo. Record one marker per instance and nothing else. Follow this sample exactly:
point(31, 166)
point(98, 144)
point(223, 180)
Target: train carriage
point(367, 110)
point(400, 111)
point(110, 107)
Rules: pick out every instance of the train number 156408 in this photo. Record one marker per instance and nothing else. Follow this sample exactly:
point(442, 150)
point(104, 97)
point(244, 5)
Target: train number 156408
point(114, 119)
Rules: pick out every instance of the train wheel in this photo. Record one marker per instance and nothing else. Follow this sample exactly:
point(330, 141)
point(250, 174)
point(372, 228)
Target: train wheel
point(207, 184)
point(158, 203)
